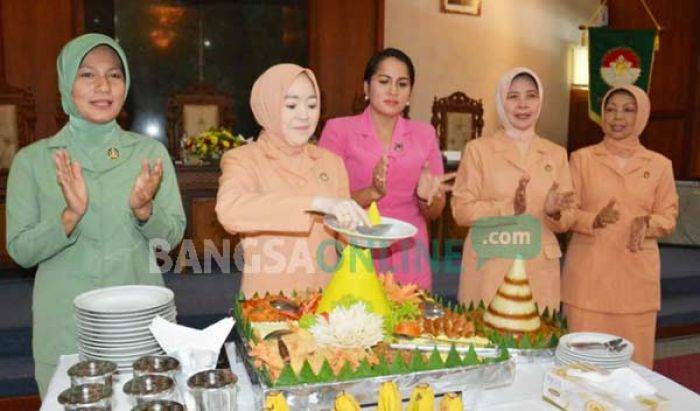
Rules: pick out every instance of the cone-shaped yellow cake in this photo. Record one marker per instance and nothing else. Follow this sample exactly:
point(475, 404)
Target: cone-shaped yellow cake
point(355, 278)
point(512, 309)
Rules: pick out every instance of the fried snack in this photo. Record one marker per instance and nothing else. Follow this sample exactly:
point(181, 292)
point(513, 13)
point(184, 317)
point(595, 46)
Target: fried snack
point(451, 324)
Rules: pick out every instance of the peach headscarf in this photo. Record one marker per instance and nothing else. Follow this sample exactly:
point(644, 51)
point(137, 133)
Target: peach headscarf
point(627, 147)
point(267, 97)
point(502, 92)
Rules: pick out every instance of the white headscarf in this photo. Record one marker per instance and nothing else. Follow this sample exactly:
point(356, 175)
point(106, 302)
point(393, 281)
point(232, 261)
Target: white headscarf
point(501, 94)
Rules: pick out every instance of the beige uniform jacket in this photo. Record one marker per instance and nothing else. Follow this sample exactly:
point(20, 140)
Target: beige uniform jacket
point(486, 181)
point(265, 196)
point(600, 273)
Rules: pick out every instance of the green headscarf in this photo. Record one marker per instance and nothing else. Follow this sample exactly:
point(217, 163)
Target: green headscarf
point(89, 135)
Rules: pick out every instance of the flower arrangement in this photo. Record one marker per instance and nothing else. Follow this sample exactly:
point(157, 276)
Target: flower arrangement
point(209, 145)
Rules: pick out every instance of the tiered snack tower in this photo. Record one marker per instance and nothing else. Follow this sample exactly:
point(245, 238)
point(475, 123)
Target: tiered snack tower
point(513, 309)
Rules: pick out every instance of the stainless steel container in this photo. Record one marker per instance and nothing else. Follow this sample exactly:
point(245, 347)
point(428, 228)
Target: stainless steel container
point(92, 372)
point(214, 390)
point(146, 388)
point(87, 397)
point(156, 365)
point(159, 405)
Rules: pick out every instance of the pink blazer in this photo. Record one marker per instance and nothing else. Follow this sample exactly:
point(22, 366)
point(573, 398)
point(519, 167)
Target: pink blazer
point(413, 145)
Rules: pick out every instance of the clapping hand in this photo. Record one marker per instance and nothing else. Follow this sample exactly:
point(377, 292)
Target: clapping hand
point(379, 175)
point(638, 231)
point(520, 199)
point(606, 215)
point(431, 186)
point(69, 176)
point(556, 202)
point(145, 187)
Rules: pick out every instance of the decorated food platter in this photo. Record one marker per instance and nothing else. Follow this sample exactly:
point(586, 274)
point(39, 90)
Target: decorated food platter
point(365, 329)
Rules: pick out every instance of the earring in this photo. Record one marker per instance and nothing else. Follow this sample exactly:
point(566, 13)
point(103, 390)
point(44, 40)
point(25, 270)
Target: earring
point(366, 98)
point(408, 103)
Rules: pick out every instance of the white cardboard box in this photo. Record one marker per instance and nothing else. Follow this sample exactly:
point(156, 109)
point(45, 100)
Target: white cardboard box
point(572, 393)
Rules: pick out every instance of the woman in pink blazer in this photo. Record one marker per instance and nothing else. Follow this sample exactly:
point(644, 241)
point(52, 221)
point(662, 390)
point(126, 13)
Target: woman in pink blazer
point(628, 199)
point(394, 161)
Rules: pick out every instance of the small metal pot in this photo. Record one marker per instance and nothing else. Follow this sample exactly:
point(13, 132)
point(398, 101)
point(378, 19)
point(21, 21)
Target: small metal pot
point(92, 372)
point(214, 390)
point(86, 397)
point(159, 405)
point(156, 365)
point(146, 388)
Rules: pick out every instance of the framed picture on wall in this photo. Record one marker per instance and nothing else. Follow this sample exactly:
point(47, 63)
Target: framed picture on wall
point(194, 110)
point(197, 118)
point(472, 7)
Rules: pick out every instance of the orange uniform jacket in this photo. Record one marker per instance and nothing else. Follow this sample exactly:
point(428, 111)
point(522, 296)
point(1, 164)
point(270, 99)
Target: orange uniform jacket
point(600, 273)
point(265, 196)
point(486, 181)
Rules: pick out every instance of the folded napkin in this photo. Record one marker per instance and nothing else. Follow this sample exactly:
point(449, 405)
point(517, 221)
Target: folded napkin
point(622, 381)
point(197, 350)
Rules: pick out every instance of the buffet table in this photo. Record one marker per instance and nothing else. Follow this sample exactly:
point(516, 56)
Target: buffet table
point(524, 393)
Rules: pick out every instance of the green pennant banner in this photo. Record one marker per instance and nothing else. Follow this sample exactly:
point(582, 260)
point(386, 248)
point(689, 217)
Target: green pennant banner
point(617, 58)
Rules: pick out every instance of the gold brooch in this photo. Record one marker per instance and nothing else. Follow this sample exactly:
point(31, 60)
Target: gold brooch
point(647, 174)
point(323, 177)
point(112, 153)
point(548, 168)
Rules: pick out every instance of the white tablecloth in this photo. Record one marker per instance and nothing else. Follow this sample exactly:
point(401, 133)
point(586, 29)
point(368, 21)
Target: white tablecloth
point(524, 394)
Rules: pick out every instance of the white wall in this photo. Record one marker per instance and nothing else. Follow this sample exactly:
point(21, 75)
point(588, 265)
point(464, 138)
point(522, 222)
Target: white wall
point(454, 52)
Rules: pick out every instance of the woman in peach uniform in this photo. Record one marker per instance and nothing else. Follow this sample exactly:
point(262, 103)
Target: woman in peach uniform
point(512, 172)
point(275, 190)
point(628, 199)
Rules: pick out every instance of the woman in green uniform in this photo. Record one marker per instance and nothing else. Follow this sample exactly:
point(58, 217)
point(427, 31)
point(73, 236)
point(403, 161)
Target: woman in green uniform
point(87, 204)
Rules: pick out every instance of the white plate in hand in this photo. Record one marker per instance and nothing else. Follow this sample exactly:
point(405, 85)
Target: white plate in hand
point(399, 230)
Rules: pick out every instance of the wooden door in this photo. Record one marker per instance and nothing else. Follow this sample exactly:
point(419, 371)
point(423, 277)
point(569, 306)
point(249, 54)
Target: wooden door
point(343, 35)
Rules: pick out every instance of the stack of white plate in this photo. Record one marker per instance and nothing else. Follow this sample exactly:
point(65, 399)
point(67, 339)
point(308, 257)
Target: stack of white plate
point(591, 348)
point(113, 322)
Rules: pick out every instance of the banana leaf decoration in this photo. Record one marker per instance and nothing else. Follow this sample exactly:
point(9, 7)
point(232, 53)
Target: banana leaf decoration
point(417, 363)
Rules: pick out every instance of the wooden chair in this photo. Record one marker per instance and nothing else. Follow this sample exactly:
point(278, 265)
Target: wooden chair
point(457, 119)
point(17, 121)
point(196, 109)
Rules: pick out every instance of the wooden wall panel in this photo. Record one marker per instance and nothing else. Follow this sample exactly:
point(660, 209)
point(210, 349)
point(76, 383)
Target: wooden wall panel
point(33, 33)
point(667, 136)
point(674, 128)
point(582, 130)
point(695, 129)
point(205, 226)
point(673, 69)
point(342, 37)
